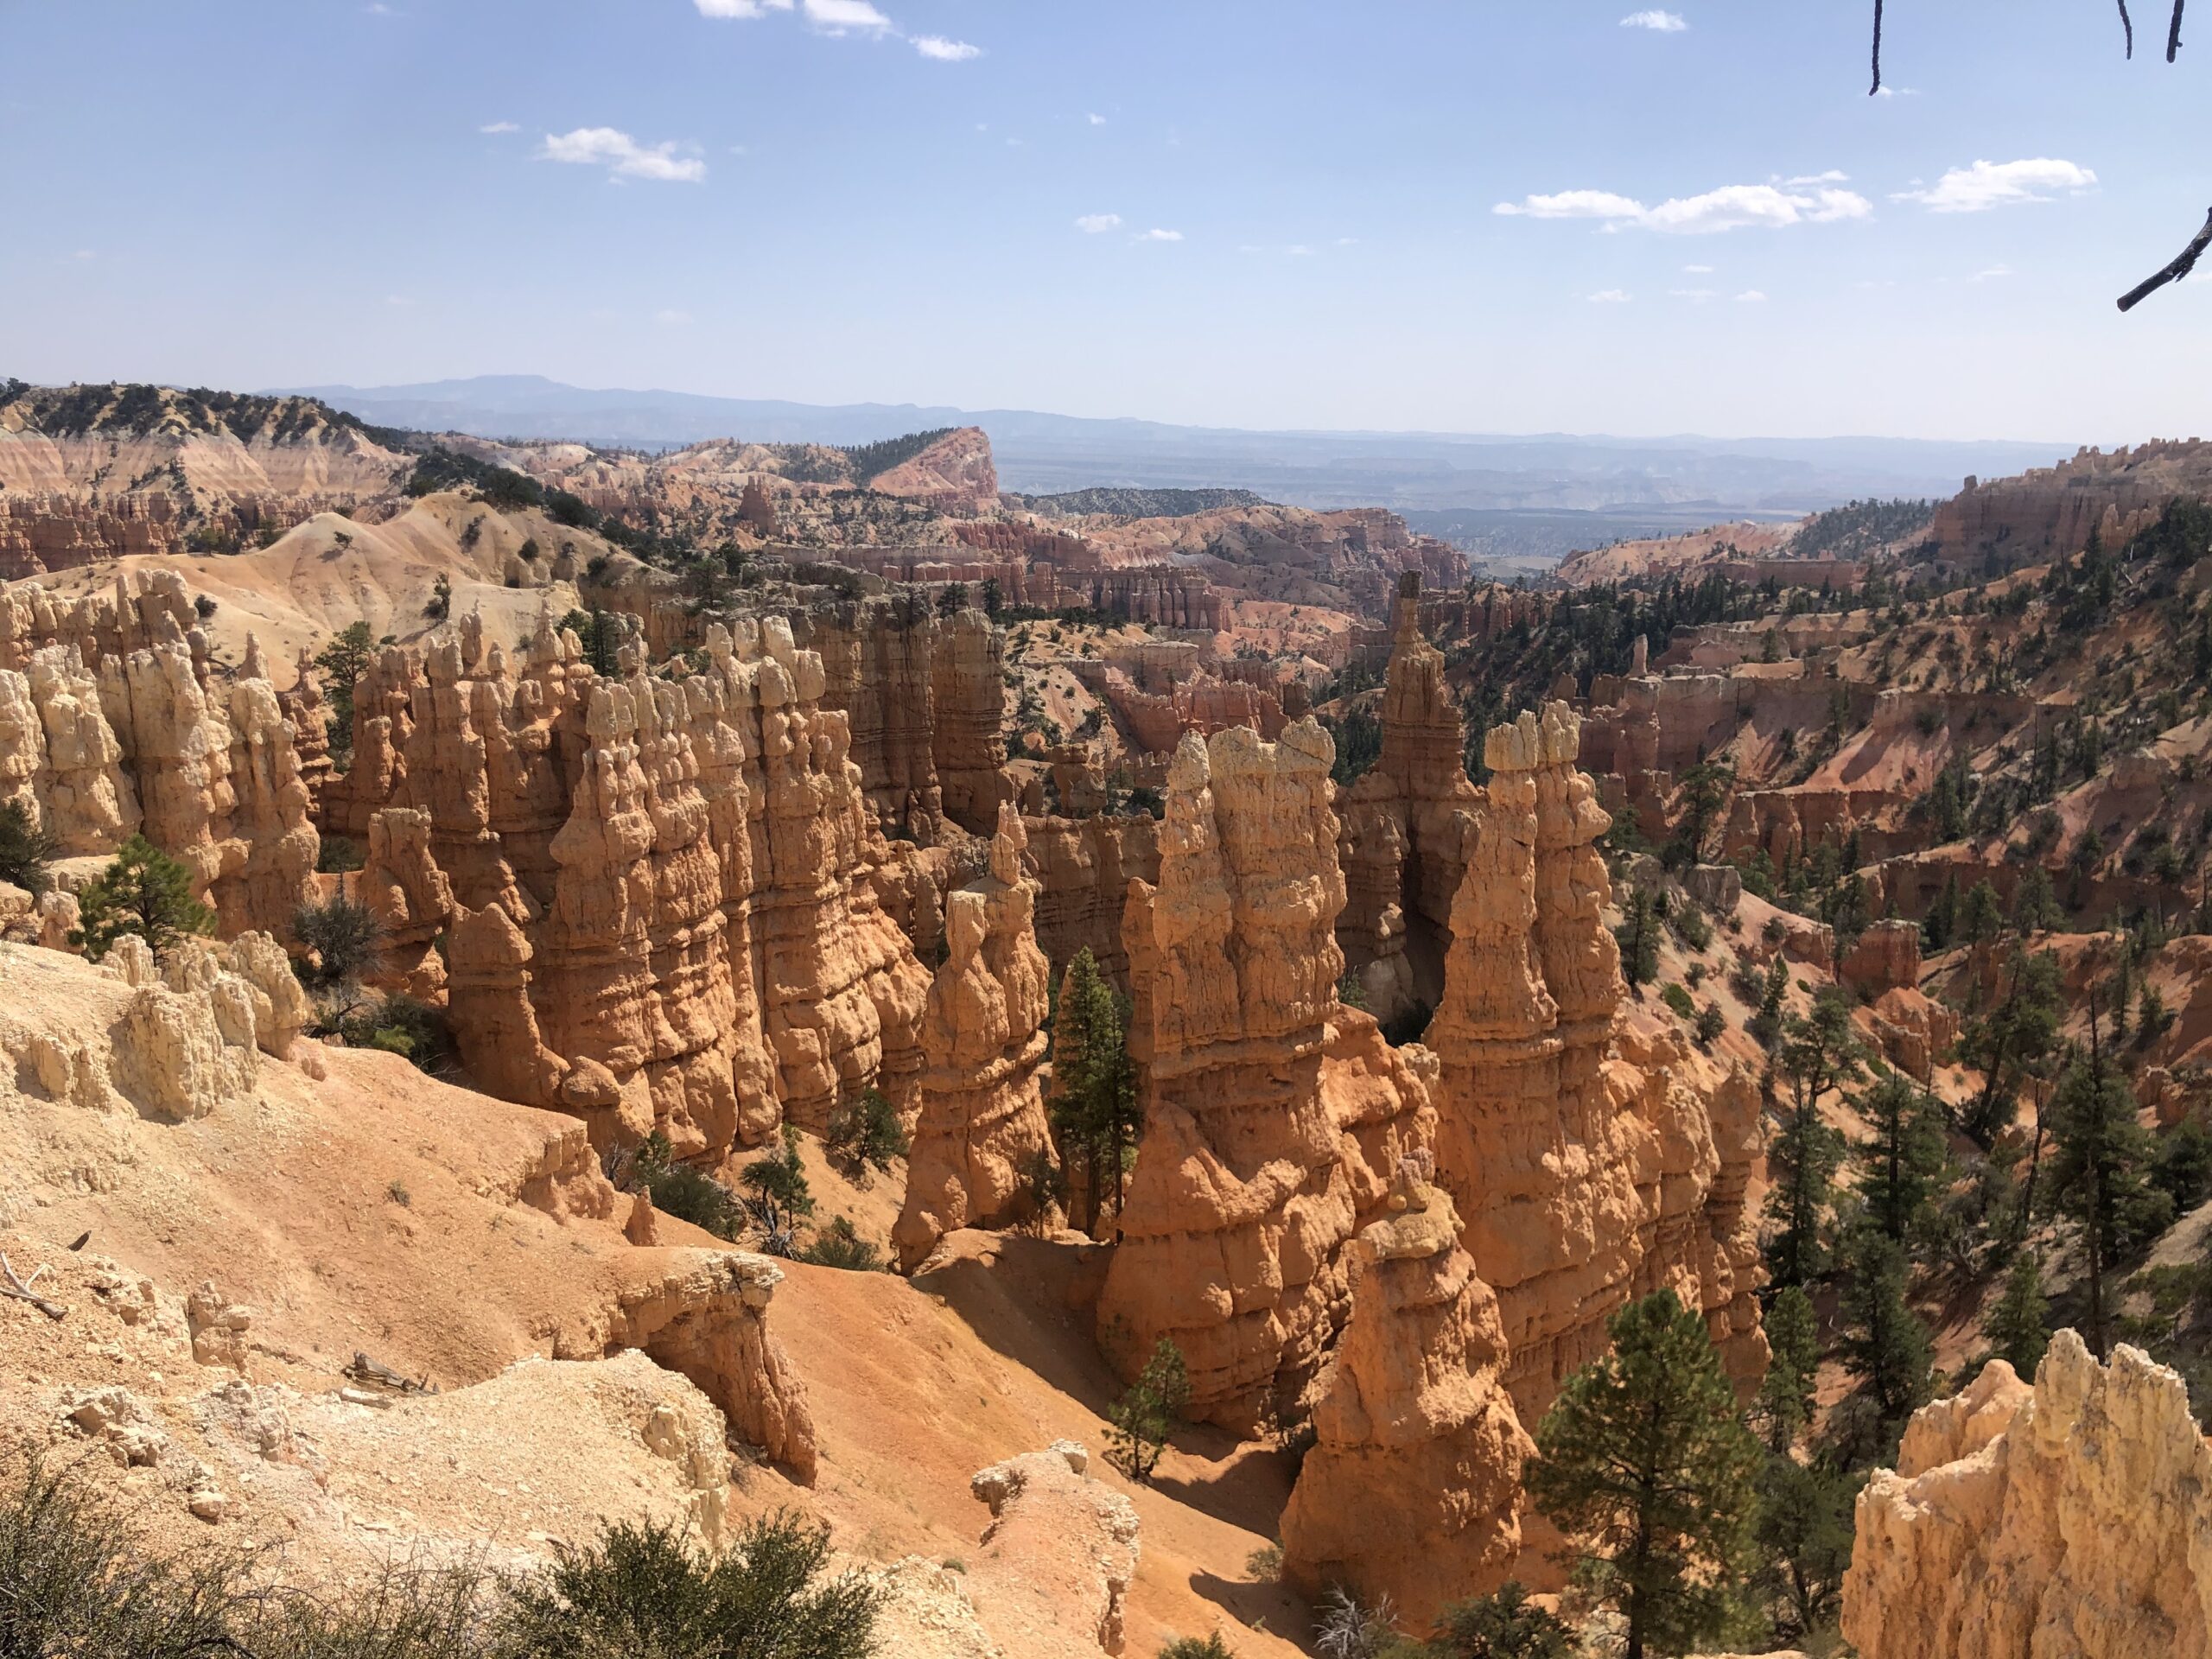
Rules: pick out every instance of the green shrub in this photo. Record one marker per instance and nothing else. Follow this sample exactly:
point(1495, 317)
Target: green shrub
point(347, 939)
point(1711, 1022)
point(1677, 998)
point(776, 1194)
point(1193, 1647)
point(682, 1190)
point(399, 1025)
point(1506, 1626)
point(338, 853)
point(864, 1134)
point(644, 1591)
point(26, 849)
point(75, 1578)
point(1144, 1417)
point(840, 1245)
point(145, 892)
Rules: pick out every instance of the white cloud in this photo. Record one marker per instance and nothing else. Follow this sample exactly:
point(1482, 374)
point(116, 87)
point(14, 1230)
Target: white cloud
point(1994, 274)
point(1832, 176)
point(1750, 296)
point(945, 51)
point(1610, 296)
point(1731, 207)
point(1886, 91)
point(1697, 271)
point(1736, 206)
point(740, 8)
point(623, 156)
point(1098, 223)
point(82, 253)
point(498, 126)
point(1096, 120)
point(1157, 235)
point(1997, 184)
point(1572, 204)
point(1663, 22)
point(1347, 241)
point(1299, 250)
point(837, 16)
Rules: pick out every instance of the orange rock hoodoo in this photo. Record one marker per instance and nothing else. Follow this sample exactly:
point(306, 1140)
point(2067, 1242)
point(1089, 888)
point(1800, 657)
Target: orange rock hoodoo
point(1272, 1110)
point(1413, 1413)
point(113, 722)
point(655, 887)
point(982, 1124)
point(1404, 824)
point(925, 700)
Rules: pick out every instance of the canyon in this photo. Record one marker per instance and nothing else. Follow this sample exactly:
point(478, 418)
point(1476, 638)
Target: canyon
point(698, 856)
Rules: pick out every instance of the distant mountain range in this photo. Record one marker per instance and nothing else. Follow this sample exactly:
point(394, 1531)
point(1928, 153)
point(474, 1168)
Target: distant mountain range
point(1638, 485)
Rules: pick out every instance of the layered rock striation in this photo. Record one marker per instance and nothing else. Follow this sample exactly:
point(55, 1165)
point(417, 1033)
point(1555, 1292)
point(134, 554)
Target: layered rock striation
point(652, 887)
point(1272, 1110)
point(1590, 1162)
point(982, 1128)
point(1412, 1487)
point(102, 739)
point(2073, 1518)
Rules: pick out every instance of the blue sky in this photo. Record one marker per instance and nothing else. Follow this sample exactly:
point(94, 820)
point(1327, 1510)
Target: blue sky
point(1260, 212)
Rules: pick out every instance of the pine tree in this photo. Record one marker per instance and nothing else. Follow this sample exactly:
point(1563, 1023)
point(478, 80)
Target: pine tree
point(1095, 1108)
point(1906, 1161)
point(2014, 1043)
point(1642, 1460)
point(1981, 915)
point(1820, 1051)
point(1143, 1418)
point(1885, 1346)
point(1638, 936)
point(143, 891)
point(1784, 1409)
point(1942, 919)
point(1802, 1160)
point(1803, 1532)
point(2017, 1328)
point(2100, 1172)
point(2035, 907)
point(26, 848)
point(1766, 1024)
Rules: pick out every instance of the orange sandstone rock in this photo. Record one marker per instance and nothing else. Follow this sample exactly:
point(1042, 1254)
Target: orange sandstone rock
point(1271, 1110)
point(982, 1125)
point(1412, 1489)
point(2069, 1518)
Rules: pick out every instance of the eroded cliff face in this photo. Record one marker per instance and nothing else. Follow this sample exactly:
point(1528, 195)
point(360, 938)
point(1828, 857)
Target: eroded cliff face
point(102, 738)
point(2071, 1518)
point(983, 1126)
point(1405, 826)
point(1413, 1486)
point(654, 888)
point(1273, 1112)
point(1591, 1158)
point(923, 697)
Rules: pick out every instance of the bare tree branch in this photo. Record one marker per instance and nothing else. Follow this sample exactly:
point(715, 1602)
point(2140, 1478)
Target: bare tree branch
point(2127, 23)
point(2173, 34)
point(2183, 264)
point(21, 1290)
point(1878, 46)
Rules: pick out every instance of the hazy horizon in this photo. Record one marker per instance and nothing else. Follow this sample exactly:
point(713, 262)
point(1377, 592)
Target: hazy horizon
point(1253, 215)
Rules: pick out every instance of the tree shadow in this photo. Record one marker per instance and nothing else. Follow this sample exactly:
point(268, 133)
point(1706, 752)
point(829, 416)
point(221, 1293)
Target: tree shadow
point(1274, 1609)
